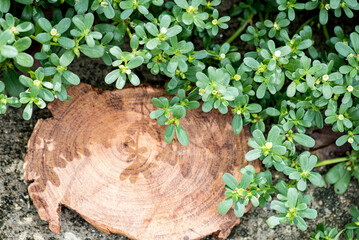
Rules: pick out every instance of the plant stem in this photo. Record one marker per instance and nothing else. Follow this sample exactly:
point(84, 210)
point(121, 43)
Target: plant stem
point(305, 23)
point(240, 29)
point(261, 17)
point(332, 161)
point(325, 31)
point(129, 32)
point(34, 38)
point(78, 40)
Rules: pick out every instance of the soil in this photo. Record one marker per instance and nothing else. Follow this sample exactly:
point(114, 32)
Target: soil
point(19, 218)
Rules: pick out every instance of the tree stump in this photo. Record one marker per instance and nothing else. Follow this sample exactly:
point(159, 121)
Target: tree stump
point(104, 158)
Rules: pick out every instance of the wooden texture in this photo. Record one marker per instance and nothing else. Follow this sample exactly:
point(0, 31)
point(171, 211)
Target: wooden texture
point(104, 158)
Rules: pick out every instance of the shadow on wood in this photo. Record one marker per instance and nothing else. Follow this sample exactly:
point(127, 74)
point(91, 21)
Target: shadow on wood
point(104, 158)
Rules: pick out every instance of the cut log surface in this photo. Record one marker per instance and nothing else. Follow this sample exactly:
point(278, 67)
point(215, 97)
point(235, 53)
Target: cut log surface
point(104, 158)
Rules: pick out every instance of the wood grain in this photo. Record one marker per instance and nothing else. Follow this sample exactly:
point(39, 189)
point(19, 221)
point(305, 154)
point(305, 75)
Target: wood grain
point(104, 158)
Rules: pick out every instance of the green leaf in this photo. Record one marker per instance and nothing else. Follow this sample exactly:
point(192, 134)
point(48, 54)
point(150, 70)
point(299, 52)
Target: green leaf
point(342, 140)
point(251, 62)
point(351, 226)
point(153, 43)
point(81, 6)
point(225, 205)
point(67, 58)
point(28, 111)
point(273, 134)
point(169, 133)
point(261, 90)
point(45, 24)
point(9, 51)
point(178, 111)
point(278, 206)
point(182, 3)
point(34, 91)
point(308, 213)
point(158, 103)
point(335, 173)
point(134, 79)
point(300, 223)
point(304, 140)
point(182, 135)
point(187, 18)
point(157, 113)
point(237, 124)
point(239, 209)
point(2, 87)
point(343, 49)
point(121, 81)
point(116, 51)
point(66, 42)
point(12, 83)
point(79, 23)
point(192, 105)
point(71, 77)
point(43, 37)
point(292, 196)
point(272, 112)
point(4, 6)
point(202, 77)
point(291, 89)
point(316, 179)
point(63, 25)
point(327, 91)
point(259, 137)
point(334, 4)
point(127, 13)
point(126, 4)
point(5, 36)
point(22, 44)
point(255, 201)
point(275, 220)
point(57, 82)
point(341, 186)
point(90, 41)
point(230, 181)
point(46, 95)
point(92, 52)
point(305, 44)
point(134, 43)
point(280, 150)
point(109, 12)
point(135, 62)
point(143, 10)
point(24, 59)
point(152, 29)
point(354, 37)
point(112, 76)
point(246, 179)
point(253, 154)
point(173, 31)
point(323, 16)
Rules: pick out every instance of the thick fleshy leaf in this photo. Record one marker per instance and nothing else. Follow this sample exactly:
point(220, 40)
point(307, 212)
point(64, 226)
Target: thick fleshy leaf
point(170, 132)
point(182, 135)
point(224, 206)
point(71, 77)
point(9, 51)
point(230, 181)
point(304, 140)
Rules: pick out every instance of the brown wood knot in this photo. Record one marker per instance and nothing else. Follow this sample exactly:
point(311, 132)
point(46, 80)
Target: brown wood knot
point(110, 164)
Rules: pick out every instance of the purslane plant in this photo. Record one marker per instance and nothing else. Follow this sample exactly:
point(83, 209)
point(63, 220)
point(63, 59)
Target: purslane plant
point(284, 81)
point(351, 230)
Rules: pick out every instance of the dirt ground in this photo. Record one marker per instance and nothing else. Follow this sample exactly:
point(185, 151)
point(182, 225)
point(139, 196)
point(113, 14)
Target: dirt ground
point(19, 218)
